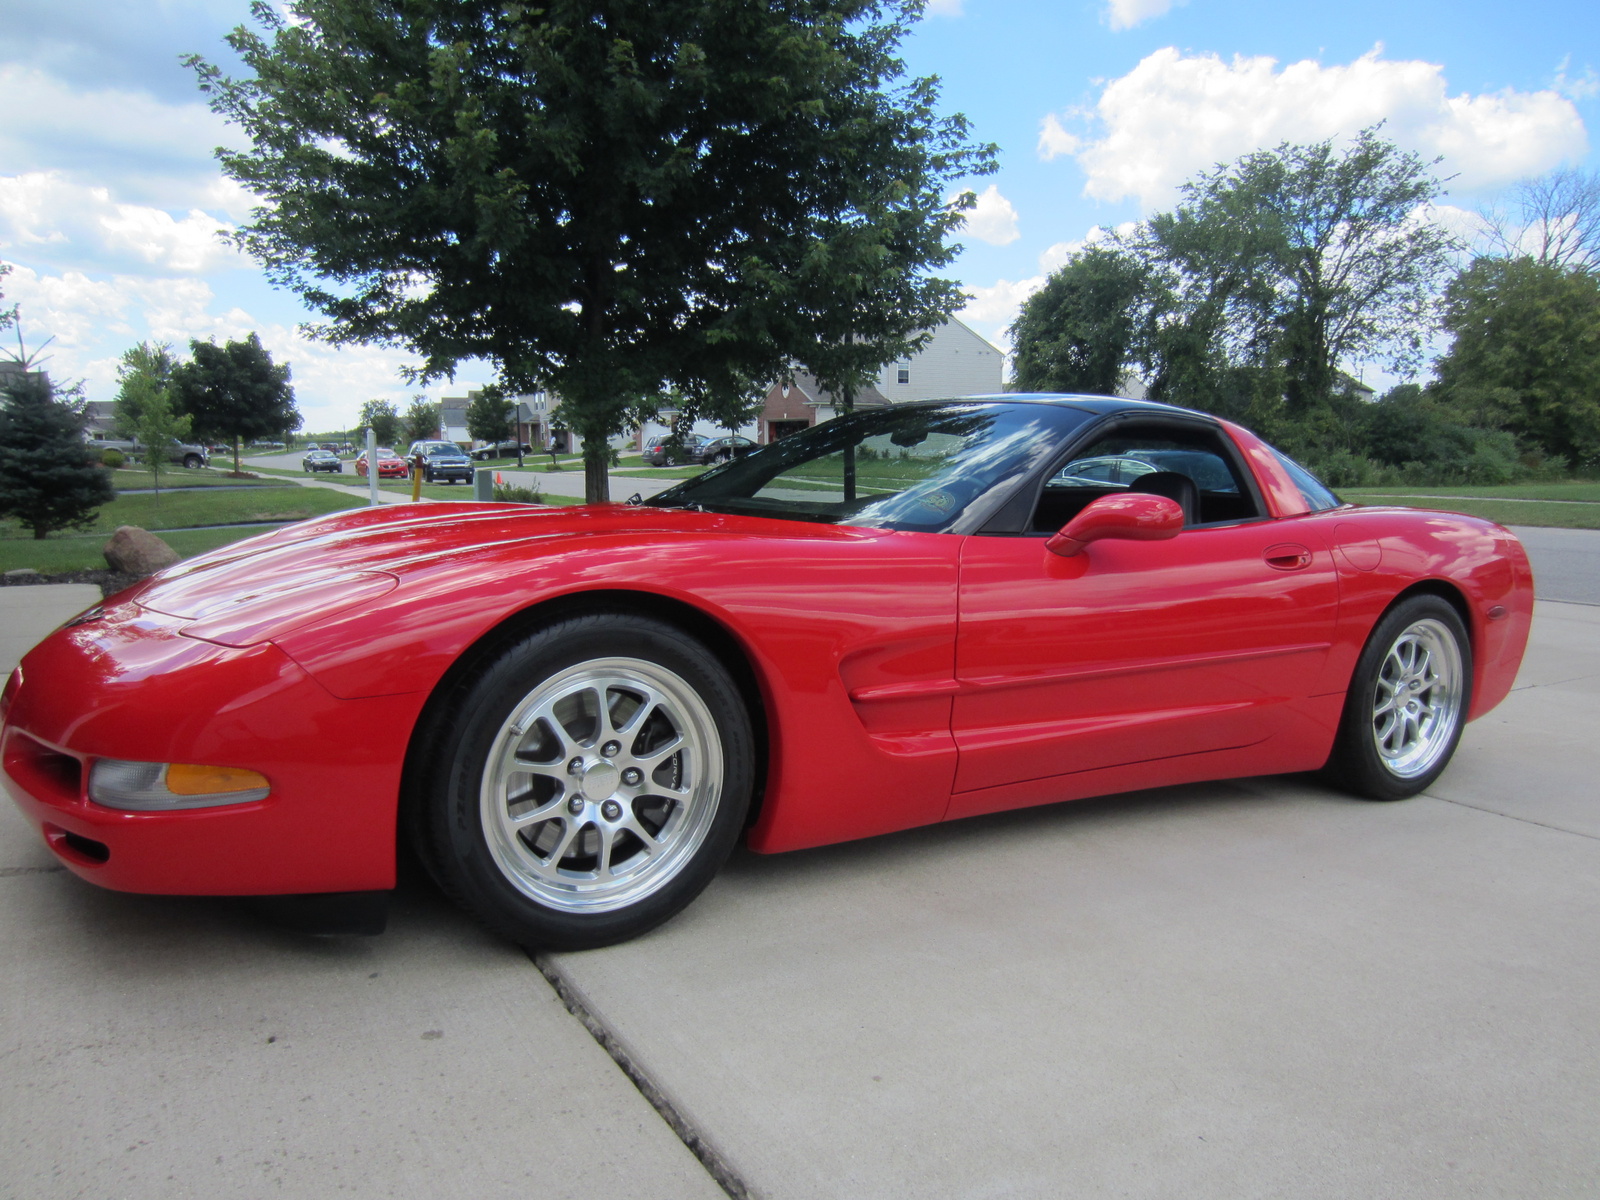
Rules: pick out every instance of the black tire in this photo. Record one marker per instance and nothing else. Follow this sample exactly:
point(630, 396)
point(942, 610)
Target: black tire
point(531, 812)
point(1401, 722)
point(192, 462)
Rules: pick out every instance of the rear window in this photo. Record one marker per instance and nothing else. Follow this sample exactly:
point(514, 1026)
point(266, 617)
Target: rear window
point(1312, 490)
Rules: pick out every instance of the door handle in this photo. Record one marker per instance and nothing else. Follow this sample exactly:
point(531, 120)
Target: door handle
point(1286, 556)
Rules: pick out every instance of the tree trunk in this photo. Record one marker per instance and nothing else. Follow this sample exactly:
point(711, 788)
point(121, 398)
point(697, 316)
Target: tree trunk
point(849, 406)
point(596, 470)
point(236, 471)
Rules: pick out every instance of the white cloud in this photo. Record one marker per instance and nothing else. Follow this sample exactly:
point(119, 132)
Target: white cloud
point(1125, 14)
point(93, 320)
point(1054, 140)
point(1174, 115)
point(1061, 253)
point(992, 219)
point(45, 209)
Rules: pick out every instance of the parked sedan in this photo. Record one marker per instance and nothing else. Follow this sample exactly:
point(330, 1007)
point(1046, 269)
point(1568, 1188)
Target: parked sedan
point(900, 616)
point(390, 465)
point(322, 460)
point(500, 450)
point(722, 449)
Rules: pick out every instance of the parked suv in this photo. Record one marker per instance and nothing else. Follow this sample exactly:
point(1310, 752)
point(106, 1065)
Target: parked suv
point(659, 452)
point(441, 461)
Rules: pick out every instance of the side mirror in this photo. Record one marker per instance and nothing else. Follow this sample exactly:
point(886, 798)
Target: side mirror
point(1132, 516)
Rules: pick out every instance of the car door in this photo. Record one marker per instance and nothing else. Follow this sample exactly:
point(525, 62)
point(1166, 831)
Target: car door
point(1132, 651)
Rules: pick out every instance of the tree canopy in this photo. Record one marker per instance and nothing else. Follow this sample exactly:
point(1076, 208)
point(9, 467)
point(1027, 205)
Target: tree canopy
point(144, 372)
point(489, 413)
point(1526, 354)
point(421, 419)
point(235, 391)
point(601, 201)
point(1079, 333)
point(382, 418)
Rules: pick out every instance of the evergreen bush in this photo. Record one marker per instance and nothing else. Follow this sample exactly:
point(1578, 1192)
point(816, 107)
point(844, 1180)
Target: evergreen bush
point(50, 478)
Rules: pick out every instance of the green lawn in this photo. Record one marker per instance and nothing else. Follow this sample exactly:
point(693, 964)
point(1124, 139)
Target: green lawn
point(179, 478)
point(1582, 490)
point(1551, 514)
point(83, 553)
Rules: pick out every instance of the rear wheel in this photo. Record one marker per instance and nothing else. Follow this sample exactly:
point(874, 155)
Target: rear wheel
point(588, 784)
point(1407, 702)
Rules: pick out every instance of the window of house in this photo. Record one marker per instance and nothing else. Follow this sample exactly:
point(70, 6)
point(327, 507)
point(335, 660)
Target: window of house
point(905, 375)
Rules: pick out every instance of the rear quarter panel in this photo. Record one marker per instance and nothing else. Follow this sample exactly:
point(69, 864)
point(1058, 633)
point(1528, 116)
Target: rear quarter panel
point(1382, 552)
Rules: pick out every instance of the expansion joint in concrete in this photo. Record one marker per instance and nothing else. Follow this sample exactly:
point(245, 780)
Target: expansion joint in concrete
point(696, 1142)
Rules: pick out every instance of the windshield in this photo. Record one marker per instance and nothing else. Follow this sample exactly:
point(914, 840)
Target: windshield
point(918, 467)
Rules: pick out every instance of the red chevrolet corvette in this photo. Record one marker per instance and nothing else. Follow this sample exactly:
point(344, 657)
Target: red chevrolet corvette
point(904, 615)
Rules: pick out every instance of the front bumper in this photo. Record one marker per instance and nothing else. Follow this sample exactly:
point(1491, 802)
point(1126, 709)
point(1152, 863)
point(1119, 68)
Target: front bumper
point(131, 686)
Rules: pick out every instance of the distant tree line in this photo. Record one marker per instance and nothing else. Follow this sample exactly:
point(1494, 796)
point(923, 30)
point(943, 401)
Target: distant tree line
point(1275, 275)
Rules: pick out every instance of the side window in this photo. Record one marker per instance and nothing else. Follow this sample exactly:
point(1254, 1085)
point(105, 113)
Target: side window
point(1144, 458)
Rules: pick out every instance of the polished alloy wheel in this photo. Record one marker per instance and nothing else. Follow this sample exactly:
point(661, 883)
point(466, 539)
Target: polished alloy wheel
point(1416, 705)
point(601, 784)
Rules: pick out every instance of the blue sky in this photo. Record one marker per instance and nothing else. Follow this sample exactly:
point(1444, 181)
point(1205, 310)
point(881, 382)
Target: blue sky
point(110, 201)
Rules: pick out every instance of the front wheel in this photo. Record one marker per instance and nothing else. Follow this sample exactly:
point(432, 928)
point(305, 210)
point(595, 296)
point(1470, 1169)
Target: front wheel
point(1407, 703)
point(192, 462)
point(587, 784)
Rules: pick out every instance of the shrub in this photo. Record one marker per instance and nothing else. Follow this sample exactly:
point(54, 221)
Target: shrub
point(112, 457)
point(509, 493)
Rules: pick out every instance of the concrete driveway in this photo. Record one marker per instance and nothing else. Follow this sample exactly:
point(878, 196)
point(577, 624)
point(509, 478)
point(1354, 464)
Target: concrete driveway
point(1257, 988)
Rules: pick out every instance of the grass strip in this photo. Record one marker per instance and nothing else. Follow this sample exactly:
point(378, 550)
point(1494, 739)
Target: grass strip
point(1552, 515)
point(178, 478)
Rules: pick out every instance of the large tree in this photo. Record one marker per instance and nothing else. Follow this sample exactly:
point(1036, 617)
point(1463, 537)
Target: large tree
point(1079, 333)
point(599, 198)
point(235, 391)
point(1526, 354)
point(1303, 259)
point(50, 478)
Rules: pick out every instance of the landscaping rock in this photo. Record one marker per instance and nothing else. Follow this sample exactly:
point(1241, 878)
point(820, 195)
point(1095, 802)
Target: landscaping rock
point(138, 551)
point(22, 575)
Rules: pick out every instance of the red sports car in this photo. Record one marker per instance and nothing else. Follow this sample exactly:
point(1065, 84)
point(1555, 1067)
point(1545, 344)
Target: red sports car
point(904, 615)
point(390, 465)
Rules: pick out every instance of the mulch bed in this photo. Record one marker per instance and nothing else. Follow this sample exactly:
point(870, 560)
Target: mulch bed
point(109, 582)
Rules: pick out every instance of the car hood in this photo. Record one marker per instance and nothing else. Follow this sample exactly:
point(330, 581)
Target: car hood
point(333, 562)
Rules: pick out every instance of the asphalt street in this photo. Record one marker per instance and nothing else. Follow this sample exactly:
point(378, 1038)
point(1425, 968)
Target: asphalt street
point(1259, 988)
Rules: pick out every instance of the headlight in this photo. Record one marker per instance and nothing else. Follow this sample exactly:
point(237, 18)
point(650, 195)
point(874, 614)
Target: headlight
point(165, 787)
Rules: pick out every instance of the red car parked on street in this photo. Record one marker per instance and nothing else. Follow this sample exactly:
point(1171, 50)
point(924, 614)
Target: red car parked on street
point(390, 465)
point(904, 615)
